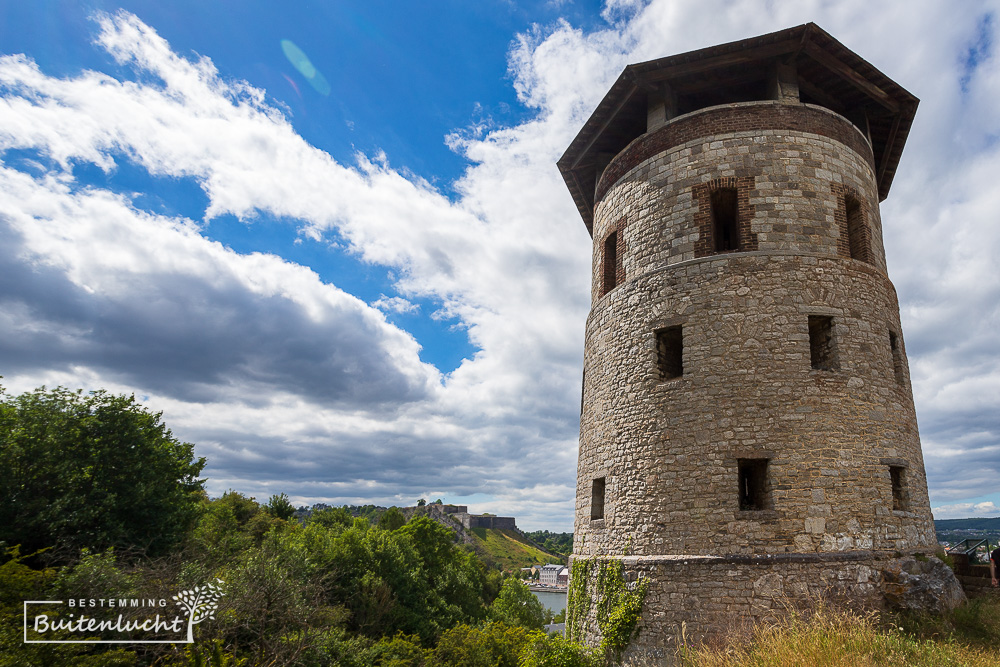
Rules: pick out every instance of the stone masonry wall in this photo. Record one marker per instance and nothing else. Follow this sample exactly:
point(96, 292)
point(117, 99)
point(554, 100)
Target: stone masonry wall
point(798, 182)
point(494, 522)
point(662, 456)
point(669, 450)
point(693, 599)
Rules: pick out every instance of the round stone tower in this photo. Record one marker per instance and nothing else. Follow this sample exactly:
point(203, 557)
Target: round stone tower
point(748, 436)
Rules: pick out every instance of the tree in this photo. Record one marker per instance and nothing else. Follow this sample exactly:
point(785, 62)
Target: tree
point(421, 502)
point(332, 517)
point(280, 507)
point(92, 470)
point(391, 519)
point(517, 605)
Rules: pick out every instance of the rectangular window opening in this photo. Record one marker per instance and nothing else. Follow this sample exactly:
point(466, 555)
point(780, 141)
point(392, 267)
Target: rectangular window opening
point(899, 494)
point(822, 347)
point(856, 230)
point(897, 358)
point(597, 499)
point(610, 262)
point(753, 484)
point(725, 217)
point(670, 352)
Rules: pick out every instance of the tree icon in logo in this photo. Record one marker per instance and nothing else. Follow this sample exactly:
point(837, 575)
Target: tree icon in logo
point(200, 603)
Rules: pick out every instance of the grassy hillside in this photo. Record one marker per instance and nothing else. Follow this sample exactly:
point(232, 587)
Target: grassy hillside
point(510, 549)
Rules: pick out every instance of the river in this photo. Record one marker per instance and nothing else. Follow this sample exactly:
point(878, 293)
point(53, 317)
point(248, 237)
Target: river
point(555, 601)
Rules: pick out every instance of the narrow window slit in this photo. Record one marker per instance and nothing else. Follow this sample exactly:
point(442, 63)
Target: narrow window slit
point(897, 358)
point(899, 493)
point(822, 346)
point(670, 352)
point(610, 262)
point(753, 484)
point(856, 237)
point(597, 499)
point(725, 218)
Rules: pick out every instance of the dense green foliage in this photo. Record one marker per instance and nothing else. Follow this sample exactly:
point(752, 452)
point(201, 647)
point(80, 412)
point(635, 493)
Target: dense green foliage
point(618, 606)
point(334, 591)
point(93, 470)
point(554, 543)
point(516, 605)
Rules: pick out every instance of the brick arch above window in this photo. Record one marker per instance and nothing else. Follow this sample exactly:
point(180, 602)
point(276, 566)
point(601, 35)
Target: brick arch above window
point(708, 242)
point(853, 219)
point(612, 258)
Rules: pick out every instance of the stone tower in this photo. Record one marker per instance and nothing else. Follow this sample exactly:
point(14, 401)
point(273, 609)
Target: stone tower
point(748, 436)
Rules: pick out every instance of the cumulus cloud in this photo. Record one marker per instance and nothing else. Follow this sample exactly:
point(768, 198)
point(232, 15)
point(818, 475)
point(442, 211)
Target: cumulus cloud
point(966, 510)
point(395, 304)
point(290, 384)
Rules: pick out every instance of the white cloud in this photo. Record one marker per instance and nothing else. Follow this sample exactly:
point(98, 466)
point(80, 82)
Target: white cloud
point(395, 304)
point(966, 510)
point(99, 284)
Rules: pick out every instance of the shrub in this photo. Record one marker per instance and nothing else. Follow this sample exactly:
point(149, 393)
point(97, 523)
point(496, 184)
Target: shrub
point(554, 651)
point(493, 645)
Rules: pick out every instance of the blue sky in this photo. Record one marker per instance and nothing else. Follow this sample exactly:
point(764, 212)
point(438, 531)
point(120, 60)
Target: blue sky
point(328, 239)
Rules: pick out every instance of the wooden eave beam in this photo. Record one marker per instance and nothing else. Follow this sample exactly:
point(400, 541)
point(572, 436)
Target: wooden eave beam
point(847, 73)
point(722, 60)
point(889, 146)
point(586, 208)
point(604, 126)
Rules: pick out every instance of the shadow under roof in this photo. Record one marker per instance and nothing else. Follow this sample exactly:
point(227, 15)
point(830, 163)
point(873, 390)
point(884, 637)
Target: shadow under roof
point(829, 75)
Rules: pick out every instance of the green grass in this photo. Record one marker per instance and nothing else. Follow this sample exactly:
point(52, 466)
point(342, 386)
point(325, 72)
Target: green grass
point(509, 549)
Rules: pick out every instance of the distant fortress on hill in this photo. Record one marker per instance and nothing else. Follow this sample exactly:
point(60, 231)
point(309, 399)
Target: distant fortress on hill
point(461, 514)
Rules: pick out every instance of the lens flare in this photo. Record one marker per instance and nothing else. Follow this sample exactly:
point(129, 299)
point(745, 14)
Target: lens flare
point(301, 62)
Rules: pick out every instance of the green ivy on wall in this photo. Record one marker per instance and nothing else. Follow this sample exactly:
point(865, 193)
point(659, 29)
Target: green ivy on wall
point(619, 608)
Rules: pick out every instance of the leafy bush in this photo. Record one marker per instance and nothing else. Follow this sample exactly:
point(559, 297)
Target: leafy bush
point(493, 645)
point(554, 651)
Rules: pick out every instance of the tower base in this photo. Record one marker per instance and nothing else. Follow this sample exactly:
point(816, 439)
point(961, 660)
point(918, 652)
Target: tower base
point(697, 599)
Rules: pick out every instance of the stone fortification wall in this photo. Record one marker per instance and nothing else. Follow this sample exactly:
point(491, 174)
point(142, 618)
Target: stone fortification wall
point(719, 596)
point(668, 450)
point(785, 366)
point(494, 522)
point(796, 183)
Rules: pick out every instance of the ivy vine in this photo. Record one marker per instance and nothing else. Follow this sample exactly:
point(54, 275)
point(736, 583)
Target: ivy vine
point(619, 605)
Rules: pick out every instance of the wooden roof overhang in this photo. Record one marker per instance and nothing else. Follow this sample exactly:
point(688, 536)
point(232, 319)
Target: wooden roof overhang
point(828, 74)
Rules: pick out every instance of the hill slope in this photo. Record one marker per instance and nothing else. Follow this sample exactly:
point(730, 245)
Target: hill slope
point(509, 549)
